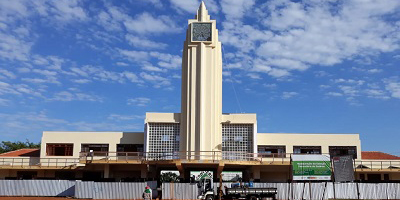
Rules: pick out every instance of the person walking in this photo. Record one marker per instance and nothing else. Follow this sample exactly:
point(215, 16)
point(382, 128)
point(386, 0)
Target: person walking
point(147, 194)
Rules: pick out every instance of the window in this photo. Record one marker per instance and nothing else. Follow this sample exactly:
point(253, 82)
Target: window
point(375, 178)
point(98, 149)
point(65, 175)
point(386, 177)
point(59, 149)
point(307, 149)
point(131, 149)
point(343, 151)
point(237, 141)
point(272, 151)
point(163, 139)
point(24, 175)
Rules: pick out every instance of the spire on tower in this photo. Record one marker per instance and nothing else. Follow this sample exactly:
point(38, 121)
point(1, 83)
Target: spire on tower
point(202, 13)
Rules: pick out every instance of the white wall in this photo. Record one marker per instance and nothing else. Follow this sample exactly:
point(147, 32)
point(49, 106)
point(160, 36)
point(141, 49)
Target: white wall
point(303, 139)
point(78, 138)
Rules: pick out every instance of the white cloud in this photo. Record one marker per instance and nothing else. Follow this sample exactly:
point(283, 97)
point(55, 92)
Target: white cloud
point(373, 71)
point(349, 90)
point(26, 123)
point(254, 76)
point(67, 10)
point(131, 77)
point(146, 23)
point(18, 89)
point(139, 101)
point(321, 74)
point(135, 55)
point(44, 72)
point(13, 48)
point(325, 86)
point(392, 85)
point(105, 19)
point(326, 38)
point(185, 5)
point(335, 94)
point(376, 93)
point(81, 81)
point(270, 86)
point(152, 68)
point(288, 95)
point(4, 102)
point(118, 117)
point(75, 96)
point(168, 61)
point(6, 74)
point(122, 64)
point(235, 10)
point(349, 81)
point(157, 80)
point(49, 80)
point(141, 42)
point(156, 3)
point(98, 73)
point(298, 35)
point(261, 66)
point(226, 73)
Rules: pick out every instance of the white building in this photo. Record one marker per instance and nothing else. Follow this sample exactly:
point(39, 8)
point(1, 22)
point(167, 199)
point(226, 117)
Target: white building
point(201, 137)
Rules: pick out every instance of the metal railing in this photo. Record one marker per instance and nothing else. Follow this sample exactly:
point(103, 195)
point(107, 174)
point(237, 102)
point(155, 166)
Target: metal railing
point(209, 156)
point(187, 155)
point(381, 165)
point(38, 162)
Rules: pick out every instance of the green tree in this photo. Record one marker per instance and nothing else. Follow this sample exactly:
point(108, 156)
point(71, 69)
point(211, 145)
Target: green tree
point(169, 177)
point(6, 146)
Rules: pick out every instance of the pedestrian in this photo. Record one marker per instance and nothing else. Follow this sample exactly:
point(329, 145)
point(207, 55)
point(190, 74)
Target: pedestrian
point(147, 194)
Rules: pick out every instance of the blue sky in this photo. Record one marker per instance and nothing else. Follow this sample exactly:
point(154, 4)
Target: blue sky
point(303, 66)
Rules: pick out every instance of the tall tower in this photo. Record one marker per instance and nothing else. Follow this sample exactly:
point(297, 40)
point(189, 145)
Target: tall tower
point(201, 109)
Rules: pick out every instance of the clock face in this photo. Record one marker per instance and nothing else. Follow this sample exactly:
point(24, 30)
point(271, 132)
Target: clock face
point(201, 31)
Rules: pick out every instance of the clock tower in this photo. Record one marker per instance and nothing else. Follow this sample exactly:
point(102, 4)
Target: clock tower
point(201, 111)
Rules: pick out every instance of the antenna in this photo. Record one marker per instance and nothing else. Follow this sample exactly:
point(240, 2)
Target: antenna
point(230, 75)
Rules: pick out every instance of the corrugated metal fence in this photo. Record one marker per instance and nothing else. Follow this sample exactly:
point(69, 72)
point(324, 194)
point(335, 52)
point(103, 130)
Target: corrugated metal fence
point(109, 190)
point(295, 191)
point(37, 188)
point(77, 189)
point(124, 190)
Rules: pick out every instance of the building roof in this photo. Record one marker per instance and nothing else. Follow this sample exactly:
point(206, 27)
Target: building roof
point(377, 155)
point(22, 153)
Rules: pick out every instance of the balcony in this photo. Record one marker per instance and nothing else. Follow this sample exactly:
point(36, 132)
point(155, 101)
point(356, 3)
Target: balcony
point(182, 157)
point(190, 156)
point(36, 162)
point(382, 165)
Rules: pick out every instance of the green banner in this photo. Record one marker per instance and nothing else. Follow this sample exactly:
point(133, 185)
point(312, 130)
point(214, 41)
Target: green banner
point(311, 170)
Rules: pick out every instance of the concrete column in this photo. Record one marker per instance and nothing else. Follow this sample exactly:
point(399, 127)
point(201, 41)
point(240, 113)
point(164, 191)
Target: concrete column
point(106, 171)
point(220, 169)
point(181, 170)
point(256, 171)
point(143, 171)
point(4, 173)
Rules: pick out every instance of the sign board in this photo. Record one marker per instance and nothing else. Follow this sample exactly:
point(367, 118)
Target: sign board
point(198, 175)
point(232, 176)
point(311, 167)
point(343, 166)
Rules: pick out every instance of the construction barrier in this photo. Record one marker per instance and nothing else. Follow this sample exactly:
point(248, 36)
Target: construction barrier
point(52, 188)
point(298, 191)
point(134, 190)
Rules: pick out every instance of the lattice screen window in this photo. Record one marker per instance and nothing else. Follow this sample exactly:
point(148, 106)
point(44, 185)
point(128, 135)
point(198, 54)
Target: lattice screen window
point(163, 137)
point(237, 138)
